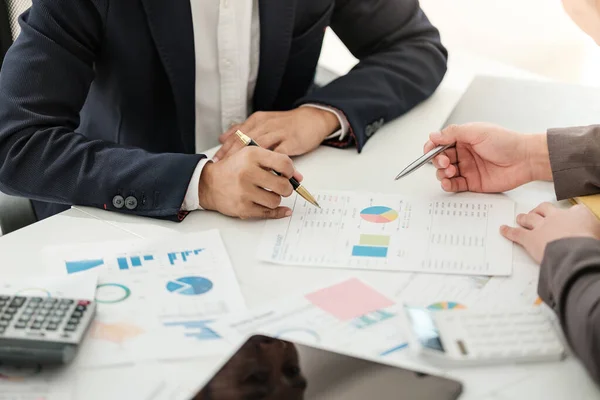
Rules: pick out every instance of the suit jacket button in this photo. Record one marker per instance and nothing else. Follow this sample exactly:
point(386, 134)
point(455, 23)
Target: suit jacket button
point(118, 201)
point(131, 203)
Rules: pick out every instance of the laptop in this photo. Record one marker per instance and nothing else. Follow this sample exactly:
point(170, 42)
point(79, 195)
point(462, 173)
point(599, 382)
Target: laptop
point(527, 106)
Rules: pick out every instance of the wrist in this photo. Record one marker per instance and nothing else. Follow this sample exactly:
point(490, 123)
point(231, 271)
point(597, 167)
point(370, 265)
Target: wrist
point(204, 186)
point(538, 157)
point(329, 122)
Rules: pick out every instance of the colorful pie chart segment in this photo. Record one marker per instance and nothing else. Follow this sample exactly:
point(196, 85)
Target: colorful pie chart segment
point(379, 214)
point(446, 305)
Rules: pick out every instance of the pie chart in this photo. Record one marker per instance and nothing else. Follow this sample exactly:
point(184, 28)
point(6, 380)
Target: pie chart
point(379, 214)
point(190, 285)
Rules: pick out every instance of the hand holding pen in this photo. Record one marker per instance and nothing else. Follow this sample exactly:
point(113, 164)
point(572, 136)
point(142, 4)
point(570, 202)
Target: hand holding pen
point(301, 190)
point(482, 157)
point(242, 185)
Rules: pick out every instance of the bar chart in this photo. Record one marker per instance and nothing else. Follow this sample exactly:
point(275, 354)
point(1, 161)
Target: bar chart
point(82, 265)
point(372, 246)
point(133, 261)
point(183, 256)
point(197, 329)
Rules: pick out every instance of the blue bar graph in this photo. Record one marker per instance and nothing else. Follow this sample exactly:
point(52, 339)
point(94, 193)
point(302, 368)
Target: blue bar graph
point(197, 329)
point(173, 257)
point(82, 265)
point(136, 262)
point(122, 261)
point(369, 251)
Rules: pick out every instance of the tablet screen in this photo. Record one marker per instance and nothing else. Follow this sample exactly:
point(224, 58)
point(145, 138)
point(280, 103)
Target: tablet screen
point(266, 368)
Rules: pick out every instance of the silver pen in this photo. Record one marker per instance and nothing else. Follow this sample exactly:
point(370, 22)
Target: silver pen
point(424, 159)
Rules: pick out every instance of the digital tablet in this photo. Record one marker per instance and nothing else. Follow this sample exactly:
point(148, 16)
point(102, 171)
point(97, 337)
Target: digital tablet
point(273, 369)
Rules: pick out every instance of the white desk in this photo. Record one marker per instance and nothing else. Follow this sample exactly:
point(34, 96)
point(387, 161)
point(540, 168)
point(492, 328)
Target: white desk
point(389, 150)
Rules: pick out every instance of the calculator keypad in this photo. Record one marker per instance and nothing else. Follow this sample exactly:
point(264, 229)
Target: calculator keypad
point(27, 317)
point(500, 334)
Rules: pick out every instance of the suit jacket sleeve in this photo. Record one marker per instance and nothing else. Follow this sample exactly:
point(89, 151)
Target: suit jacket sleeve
point(575, 160)
point(570, 284)
point(402, 62)
point(44, 82)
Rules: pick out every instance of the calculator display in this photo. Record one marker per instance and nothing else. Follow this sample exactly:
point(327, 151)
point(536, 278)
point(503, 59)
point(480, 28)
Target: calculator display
point(424, 327)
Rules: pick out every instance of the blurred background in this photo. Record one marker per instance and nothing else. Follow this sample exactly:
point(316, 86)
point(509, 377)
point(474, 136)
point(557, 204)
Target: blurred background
point(533, 35)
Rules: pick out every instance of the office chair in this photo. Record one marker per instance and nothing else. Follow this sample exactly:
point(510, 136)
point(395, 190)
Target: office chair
point(15, 212)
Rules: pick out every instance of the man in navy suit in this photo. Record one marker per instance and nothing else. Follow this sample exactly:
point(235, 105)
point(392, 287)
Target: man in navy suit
point(106, 103)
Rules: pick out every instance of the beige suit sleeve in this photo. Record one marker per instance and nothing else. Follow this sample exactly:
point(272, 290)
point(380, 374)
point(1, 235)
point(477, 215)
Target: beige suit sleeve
point(575, 160)
point(570, 284)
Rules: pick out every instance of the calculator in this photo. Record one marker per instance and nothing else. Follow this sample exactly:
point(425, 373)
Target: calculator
point(42, 331)
point(475, 337)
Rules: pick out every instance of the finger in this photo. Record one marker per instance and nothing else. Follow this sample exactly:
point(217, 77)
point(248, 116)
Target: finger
point(449, 172)
point(279, 185)
point(233, 146)
point(277, 162)
point(441, 161)
point(529, 221)
point(516, 235)
point(265, 198)
point(545, 209)
point(255, 120)
point(454, 185)
point(220, 154)
point(258, 211)
point(223, 138)
point(298, 175)
point(429, 145)
point(269, 140)
point(284, 148)
point(451, 154)
point(467, 133)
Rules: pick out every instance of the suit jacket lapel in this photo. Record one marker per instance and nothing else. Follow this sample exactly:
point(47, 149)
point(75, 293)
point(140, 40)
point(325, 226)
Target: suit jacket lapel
point(172, 29)
point(276, 28)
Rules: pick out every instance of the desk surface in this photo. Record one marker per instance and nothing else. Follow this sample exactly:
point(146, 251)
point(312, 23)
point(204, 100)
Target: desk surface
point(387, 152)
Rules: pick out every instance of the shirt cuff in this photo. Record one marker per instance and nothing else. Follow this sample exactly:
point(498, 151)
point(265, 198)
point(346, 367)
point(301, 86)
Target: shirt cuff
point(341, 133)
point(191, 202)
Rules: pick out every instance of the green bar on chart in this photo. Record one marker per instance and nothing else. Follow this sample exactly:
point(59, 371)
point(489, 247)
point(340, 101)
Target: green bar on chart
point(374, 240)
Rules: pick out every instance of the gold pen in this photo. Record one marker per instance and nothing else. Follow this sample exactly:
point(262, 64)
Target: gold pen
point(301, 190)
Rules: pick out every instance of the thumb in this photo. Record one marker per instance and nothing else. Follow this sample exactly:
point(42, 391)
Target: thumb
point(277, 213)
point(466, 134)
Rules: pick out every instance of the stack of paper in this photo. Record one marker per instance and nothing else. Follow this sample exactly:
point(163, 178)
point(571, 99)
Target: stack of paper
point(156, 299)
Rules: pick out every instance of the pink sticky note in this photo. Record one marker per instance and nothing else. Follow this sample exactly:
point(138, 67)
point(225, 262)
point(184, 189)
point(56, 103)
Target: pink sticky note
point(349, 299)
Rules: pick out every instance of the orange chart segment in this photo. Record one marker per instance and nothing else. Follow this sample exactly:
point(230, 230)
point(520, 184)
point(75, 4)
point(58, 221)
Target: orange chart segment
point(116, 333)
point(379, 214)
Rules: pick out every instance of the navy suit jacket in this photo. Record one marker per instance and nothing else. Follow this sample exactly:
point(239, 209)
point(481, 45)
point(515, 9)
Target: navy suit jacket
point(97, 96)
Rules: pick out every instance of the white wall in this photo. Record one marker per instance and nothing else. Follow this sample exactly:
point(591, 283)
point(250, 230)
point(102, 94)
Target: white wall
point(534, 35)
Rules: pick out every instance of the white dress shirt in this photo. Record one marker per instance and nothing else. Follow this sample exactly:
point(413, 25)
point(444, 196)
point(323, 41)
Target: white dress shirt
point(227, 46)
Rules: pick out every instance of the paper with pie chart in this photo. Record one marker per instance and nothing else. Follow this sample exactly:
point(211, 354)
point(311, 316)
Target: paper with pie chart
point(452, 234)
point(161, 294)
